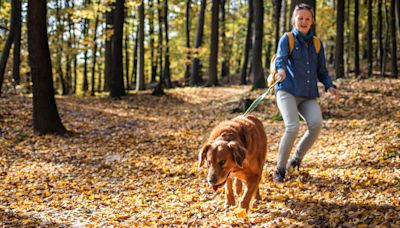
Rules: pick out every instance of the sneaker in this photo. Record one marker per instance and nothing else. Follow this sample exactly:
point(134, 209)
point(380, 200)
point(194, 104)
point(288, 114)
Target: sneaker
point(293, 164)
point(279, 175)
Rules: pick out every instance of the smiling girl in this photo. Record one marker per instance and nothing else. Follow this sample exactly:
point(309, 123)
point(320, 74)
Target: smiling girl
point(299, 70)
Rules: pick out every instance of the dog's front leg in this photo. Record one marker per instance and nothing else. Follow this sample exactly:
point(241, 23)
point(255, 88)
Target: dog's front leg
point(252, 187)
point(229, 196)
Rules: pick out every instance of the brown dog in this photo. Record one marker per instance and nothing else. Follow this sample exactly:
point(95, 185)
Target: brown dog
point(236, 148)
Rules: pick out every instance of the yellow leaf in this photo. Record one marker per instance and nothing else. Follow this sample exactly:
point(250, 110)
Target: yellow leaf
point(241, 213)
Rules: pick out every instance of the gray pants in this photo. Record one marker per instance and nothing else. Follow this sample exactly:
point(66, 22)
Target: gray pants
point(289, 107)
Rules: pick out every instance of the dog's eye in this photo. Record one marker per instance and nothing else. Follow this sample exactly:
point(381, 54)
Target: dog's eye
point(221, 163)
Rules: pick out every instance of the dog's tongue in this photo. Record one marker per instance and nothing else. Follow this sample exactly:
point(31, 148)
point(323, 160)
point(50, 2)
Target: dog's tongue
point(216, 187)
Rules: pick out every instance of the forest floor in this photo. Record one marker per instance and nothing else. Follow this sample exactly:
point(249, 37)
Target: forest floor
point(133, 162)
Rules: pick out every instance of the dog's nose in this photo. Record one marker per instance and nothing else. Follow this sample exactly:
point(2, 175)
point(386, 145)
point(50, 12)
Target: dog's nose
point(212, 180)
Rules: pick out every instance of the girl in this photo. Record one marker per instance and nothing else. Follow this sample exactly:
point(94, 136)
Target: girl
point(299, 71)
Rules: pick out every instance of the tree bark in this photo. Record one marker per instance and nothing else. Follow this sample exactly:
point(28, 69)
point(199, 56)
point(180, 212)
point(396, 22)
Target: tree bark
point(369, 38)
point(277, 17)
point(45, 114)
point(9, 41)
point(108, 49)
point(380, 36)
point(248, 44)
point(395, 70)
point(339, 62)
point(213, 61)
point(356, 40)
point(225, 46)
point(167, 70)
point(94, 55)
point(258, 71)
point(151, 43)
point(117, 80)
point(140, 69)
point(17, 42)
point(187, 28)
point(195, 77)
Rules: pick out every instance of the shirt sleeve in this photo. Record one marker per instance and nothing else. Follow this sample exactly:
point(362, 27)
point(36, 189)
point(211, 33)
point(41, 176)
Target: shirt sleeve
point(322, 71)
point(282, 53)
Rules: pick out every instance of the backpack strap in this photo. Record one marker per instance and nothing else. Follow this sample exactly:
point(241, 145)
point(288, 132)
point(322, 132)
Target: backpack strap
point(317, 44)
point(291, 41)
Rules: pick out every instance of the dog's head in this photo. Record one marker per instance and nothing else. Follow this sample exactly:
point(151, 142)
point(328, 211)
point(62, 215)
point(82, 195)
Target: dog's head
point(221, 157)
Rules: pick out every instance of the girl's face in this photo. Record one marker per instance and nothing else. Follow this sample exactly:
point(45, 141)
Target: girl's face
point(303, 21)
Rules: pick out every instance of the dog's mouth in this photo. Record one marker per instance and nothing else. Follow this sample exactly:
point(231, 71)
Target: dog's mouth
point(216, 187)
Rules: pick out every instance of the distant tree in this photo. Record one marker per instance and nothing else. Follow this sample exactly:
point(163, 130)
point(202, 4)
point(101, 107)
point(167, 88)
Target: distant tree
point(277, 17)
point(85, 32)
point(195, 78)
point(213, 63)
point(339, 62)
point(94, 53)
point(187, 28)
point(17, 42)
point(117, 79)
point(167, 70)
point(380, 35)
point(225, 46)
point(258, 72)
point(12, 36)
point(60, 49)
point(140, 68)
point(369, 37)
point(248, 44)
point(153, 61)
point(356, 40)
point(109, 15)
point(393, 38)
point(45, 114)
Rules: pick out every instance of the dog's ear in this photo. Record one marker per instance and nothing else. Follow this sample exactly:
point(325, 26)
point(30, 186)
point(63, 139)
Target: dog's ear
point(203, 153)
point(238, 152)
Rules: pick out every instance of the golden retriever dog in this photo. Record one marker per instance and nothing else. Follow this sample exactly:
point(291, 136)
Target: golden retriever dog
point(236, 148)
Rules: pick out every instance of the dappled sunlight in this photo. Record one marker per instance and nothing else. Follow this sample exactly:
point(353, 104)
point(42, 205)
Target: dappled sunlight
point(133, 162)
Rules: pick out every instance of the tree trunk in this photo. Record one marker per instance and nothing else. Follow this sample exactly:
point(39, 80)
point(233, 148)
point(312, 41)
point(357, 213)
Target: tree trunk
point(369, 38)
point(283, 19)
point(339, 62)
point(60, 49)
point(187, 28)
point(151, 44)
point(160, 43)
point(86, 25)
point(9, 41)
point(277, 16)
point(45, 113)
point(117, 78)
point(126, 50)
point(380, 36)
point(195, 77)
point(108, 49)
point(258, 72)
point(17, 42)
point(94, 54)
point(135, 58)
point(140, 69)
point(393, 38)
point(356, 40)
point(225, 46)
point(248, 44)
point(212, 68)
point(167, 70)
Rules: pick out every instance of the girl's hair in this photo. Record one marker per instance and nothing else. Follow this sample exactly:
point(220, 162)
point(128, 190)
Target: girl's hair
point(302, 6)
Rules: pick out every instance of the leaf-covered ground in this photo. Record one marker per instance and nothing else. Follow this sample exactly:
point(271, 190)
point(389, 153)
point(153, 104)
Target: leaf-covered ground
point(133, 162)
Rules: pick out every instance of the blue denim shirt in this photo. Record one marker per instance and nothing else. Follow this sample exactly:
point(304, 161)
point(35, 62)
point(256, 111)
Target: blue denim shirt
point(304, 67)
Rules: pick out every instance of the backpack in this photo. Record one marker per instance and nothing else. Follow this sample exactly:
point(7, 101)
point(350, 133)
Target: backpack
point(272, 70)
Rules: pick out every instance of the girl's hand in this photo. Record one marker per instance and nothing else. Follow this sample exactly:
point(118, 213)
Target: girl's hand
point(282, 74)
point(335, 93)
